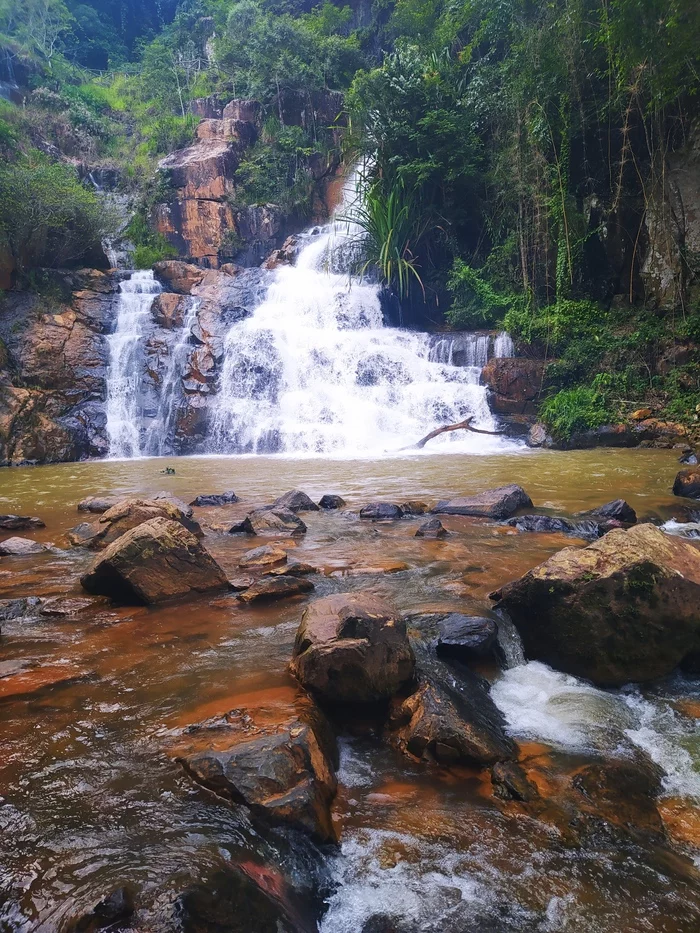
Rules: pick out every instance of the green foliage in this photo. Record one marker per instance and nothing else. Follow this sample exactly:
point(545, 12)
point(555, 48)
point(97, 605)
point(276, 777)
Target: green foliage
point(476, 303)
point(275, 172)
point(150, 247)
point(572, 411)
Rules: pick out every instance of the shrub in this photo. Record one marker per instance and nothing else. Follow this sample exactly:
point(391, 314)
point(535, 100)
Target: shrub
point(574, 410)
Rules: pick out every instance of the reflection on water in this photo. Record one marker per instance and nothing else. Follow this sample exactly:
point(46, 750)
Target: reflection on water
point(90, 801)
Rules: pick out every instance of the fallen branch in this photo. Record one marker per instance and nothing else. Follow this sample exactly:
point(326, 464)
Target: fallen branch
point(446, 428)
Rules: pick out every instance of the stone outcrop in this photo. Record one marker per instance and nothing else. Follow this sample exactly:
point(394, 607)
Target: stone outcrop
point(687, 483)
point(493, 503)
point(126, 515)
point(515, 384)
point(216, 498)
point(98, 504)
point(625, 608)
point(158, 560)
point(353, 649)
point(466, 637)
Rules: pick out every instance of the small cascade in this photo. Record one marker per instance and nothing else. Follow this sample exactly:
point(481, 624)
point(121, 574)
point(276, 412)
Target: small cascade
point(160, 440)
point(126, 357)
point(509, 641)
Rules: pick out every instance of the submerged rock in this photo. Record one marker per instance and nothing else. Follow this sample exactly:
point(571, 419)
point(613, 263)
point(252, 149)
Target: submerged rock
point(113, 910)
point(493, 503)
point(276, 587)
point(433, 528)
point(616, 511)
point(296, 501)
point(381, 512)
point(352, 649)
point(687, 483)
point(263, 557)
point(99, 504)
point(128, 514)
point(20, 547)
point(11, 609)
point(466, 637)
point(20, 522)
point(157, 560)
point(271, 522)
point(413, 507)
point(623, 609)
point(220, 498)
point(329, 502)
point(542, 524)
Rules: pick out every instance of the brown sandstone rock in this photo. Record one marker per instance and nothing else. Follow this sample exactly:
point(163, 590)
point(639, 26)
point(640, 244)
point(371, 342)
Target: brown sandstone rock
point(248, 111)
point(625, 608)
point(157, 560)
point(687, 483)
point(275, 587)
point(127, 514)
point(352, 648)
point(98, 504)
point(493, 503)
point(168, 310)
point(180, 277)
point(515, 382)
point(263, 558)
point(202, 171)
point(271, 522)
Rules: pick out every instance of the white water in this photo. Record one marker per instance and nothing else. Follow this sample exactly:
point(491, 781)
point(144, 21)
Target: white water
point(126, 364)
point(315, 371)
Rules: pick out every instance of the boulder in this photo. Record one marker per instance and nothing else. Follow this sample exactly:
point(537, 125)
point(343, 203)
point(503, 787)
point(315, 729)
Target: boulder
point(433, 528)
point(295, 501)
point(538, 436)
point(616, 511)
point(20, 547)
point(493, 503)
point(263, 558)
point(221, 498)
point(413, 507)
point(282, 767)
point(157, 560)
point(352, 648)
point(127, 514)
point(11, 609)
point(511, 783)
point(515, 384)
point(169, 310)
point(689, 457)
point(98, 504)
point(19, 522)
point(271, 522)
point(687, 483)
point(185, 509)
point(438, 723)
point(542, 524)
point(270, 588)
point(466, 637)
point(179, 277)
point(381, 512)
point(329, 502)
point(625, 608)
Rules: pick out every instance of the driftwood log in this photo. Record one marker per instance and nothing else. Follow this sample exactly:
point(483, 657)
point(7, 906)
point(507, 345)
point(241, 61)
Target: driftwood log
point(446, 428)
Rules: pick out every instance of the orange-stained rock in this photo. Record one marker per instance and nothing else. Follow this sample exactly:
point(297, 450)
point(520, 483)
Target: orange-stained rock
point(125, 515)
point(641, 414)
point(515, 382)
point(681, 819)
point(204, 170)
point(25, 680)
point(169, 310)
point(195, 227)
point(179, 277)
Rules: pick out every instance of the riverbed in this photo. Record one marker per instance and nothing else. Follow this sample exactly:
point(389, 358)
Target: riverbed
point(90, 801)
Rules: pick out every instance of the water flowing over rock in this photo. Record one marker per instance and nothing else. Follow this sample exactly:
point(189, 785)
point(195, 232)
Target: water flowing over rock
point(625, 608)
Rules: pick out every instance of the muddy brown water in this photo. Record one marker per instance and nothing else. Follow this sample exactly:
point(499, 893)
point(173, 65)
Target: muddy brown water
point(89, 800)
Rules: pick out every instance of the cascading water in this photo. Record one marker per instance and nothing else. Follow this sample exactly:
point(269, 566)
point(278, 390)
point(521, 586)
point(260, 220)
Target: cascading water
point(126, 364)
point(314, 370)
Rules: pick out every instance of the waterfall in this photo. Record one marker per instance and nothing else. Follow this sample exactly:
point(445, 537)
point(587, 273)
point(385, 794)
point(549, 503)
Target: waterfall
point(314, 370)
point(126, 354)
point(509, 640)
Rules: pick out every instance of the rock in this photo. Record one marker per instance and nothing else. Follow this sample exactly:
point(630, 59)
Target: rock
point(623, 609)
point(436, 722)
point(127, 514)
point(413, 507)
point(270, 522)
point(511, 783)
point(622, 792)
point(276, 587)
point(286, 255)
point(157, 560)
point(616, 511)
point(493, 503)
point(11, 609)
point(169, 310)
point(687, 483)
point(247, 111)
point(179, 277)
point(329, 502)
point(20, 547)
point(281, 767)
point(381, 512)
point(433, 528)
point(538, 436)
point(99, 504)
point(466, 637)
point(515, 384)
point(352, 648)
point(221, 498)
point(263, 558)
point(19, 522)
point(295, 501)
point(378, 567)
point(542, 524)
point(116, 908)
point(185, 509)
point(689, 457)
point(641, 414)
point(61, 607)
point(293, 568)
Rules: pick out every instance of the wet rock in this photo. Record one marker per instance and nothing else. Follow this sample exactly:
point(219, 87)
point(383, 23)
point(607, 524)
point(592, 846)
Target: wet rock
point(616, 511)
point(59, 606)
point(276, 587)
point(378, 567)
point(128, 514)
point(381, 512)
point(176, 276)
point(20, 547)
point(263, 558)
point(281, 767)
point(295, 501)
point(433, 528)
point(438, 723)
point(329, 502)
point(538, 436)
point(622, 793)
point(115, 909)
point(413, 507)
point(690, 458)
point(466, 637)
point(271, 522)
point(157, 560)
point(222, 498)
point(30, 678)
point(99, 504)
point(687, 483)
point(511, 783)
point(293, 568)
point(542, 524)
point(352, 648)
point(515, 384)
point(11, 609)
point(184, 508)
point(493, 503)
point(622, 609)
point(19, 522)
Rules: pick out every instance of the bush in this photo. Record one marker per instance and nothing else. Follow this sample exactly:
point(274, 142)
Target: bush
point(476, 303)
point(574, 410)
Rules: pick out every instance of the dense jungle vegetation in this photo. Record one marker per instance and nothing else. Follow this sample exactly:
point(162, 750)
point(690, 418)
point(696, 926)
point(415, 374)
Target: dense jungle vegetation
point(518, 157)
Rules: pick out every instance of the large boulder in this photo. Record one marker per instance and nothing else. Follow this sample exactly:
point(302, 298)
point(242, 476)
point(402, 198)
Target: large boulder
point(467, 637)
point(330, 502)
point(282, 767)
point(687, 483)
point(158, 560)
point(625, 608)
point(493, 503)
point(515, 384)
point(381, 512)
point(20, 547)
point(352, 648)
point(618, 510)
point(128, 514)
point(296, 501)
point(273, 522)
